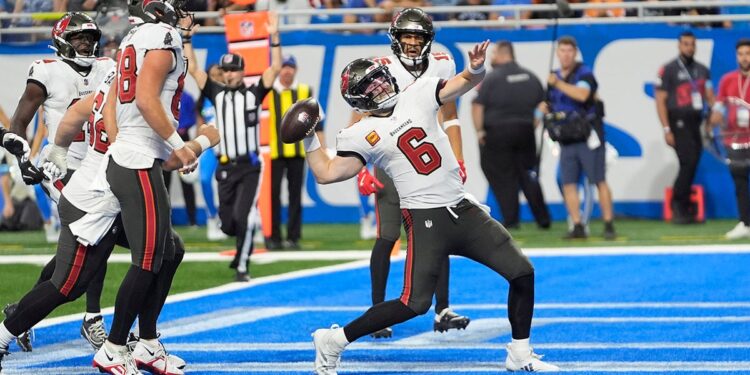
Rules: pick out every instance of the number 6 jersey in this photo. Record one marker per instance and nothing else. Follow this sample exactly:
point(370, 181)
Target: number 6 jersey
point(410, 146)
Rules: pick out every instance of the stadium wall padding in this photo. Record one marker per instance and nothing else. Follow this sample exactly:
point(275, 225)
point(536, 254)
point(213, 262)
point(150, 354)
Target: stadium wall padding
point(625, 59)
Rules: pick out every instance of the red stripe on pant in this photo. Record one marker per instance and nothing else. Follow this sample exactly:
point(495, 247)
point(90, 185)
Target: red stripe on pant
point(75, 271)
point(150, 208)
point(408, 268)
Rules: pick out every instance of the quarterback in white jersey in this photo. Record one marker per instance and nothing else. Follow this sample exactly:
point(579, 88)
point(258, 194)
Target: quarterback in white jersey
point(411, 34)
point(56, 84)
point(399, 133)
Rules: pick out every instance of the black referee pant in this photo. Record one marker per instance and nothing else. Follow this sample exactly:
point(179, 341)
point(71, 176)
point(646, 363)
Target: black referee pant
point(688, 145)
point(509, 162)
point(294, 168)
point(238, 183)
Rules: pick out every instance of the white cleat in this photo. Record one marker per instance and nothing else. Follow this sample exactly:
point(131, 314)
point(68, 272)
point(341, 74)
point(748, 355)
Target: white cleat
point(115, 362)
point(368, 228)
point(739, 231)
point(213, 230)
point(51, 232)
point(156, 360)
point(531, 363)
point(327, 352)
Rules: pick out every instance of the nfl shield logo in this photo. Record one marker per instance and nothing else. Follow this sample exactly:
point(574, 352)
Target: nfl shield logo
point(428, 224)
point(246, 28)
point(86, 81)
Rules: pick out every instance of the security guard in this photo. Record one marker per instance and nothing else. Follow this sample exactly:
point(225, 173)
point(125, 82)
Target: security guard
point(503, 114)
point(683, 94)
point(238, 108)
point(287, 158)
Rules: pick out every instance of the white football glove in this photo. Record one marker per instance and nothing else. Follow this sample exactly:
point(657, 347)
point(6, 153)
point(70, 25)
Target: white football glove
point(55, 164)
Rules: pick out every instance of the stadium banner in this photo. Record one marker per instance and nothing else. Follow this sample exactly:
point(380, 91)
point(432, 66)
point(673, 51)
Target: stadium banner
point(625, 60)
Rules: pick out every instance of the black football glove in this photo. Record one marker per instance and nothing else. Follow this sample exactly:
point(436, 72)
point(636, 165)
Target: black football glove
point(15, 144)
point(31, 174)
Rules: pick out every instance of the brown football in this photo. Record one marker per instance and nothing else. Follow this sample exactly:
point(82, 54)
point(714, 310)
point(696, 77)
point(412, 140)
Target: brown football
point(300, 120)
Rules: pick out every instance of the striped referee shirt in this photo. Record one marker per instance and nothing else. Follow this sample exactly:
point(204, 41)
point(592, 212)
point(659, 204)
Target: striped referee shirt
point(237, 116)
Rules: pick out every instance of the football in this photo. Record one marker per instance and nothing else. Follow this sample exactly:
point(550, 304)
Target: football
point(300, 120)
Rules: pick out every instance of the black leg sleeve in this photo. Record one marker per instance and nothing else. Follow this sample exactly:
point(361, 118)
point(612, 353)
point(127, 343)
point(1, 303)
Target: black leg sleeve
point(380, 266)
point(47, 271)
point(34, 307)
point(130, 300)
point(441, 289)
point(380, 316)
point(521, 306)
point(94, 291)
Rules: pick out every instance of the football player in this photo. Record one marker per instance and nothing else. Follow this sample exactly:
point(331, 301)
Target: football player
point(400, 133)
point(91, 226)
point(411, 35)
point(55, 85)
point(151, 71)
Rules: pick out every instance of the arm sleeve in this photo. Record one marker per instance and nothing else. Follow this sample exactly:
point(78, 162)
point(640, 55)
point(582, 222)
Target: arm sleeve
point(260, 92)
point(482, 92)
point(661, 79)
point(210, 90)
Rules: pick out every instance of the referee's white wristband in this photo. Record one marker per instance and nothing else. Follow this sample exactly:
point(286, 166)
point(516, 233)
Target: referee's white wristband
point(449, 123)
point(204, 142)
point(476, 71)
point(175, 141)
point(311, 143)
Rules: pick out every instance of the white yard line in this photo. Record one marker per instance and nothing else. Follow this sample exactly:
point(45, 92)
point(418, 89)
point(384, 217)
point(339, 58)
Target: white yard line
point(268, 257)
point(437, 367)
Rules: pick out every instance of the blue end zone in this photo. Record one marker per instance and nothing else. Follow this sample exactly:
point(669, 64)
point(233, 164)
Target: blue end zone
point(687, 313)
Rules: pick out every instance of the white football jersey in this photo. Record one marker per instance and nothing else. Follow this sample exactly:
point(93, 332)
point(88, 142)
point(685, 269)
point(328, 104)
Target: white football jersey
point(65, 86)
point(411, 147)
point(78, 191)
point(137, 143)
point(440, 65)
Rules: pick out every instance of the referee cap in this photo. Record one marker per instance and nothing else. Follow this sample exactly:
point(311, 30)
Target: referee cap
point(231, 61)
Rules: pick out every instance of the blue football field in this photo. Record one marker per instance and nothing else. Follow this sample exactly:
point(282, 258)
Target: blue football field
point(662, 311)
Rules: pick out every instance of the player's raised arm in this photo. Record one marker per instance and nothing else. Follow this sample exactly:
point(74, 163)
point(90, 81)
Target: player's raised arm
point(195, 71)
point(270, 74)
point(470, 77)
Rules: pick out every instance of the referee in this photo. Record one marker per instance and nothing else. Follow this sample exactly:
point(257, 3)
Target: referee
point(287, 159)
point(238, 108)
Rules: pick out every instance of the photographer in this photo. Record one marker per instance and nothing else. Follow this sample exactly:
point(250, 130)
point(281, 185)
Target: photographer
point(573, 117)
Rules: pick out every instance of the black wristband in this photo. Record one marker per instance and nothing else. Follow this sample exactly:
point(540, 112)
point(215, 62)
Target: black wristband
point(187, 39)
point(2, 133)
point(275, 44)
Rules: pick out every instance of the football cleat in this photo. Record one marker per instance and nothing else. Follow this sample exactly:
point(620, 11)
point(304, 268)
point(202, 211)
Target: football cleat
point(447, 319)
point(173, 359)
point(155, 360)
point(94, 332)
point(115, 362)
point(384, 333)
point(531, 363)
point(25, 339)
point(327, 352)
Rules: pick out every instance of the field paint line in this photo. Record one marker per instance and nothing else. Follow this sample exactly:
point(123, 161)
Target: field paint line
point(231, 287)
point(214, 321)
point(482, 330)
point(435, 367)
point(435, 346)
point(274, 256)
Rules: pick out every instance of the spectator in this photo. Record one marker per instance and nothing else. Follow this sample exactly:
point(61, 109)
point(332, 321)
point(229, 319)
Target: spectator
point(325, 18)
point(287, 159)
point(611, 12)
point(503, 114)
point(733, 113)
point(510, 15)
point(580, 131)
point(473, 15)
point(683, 94)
